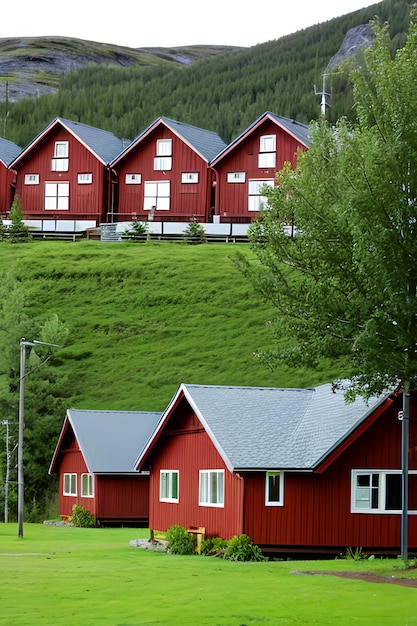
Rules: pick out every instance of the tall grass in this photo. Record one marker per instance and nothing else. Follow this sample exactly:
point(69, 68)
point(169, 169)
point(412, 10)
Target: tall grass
point(63, 575)
point(145, 318)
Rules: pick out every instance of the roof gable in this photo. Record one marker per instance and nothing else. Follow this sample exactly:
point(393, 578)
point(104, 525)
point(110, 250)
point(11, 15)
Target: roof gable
point(299, 131)
point(271, 428)
point(102, 143)
point(206, 143)
point(109, 440)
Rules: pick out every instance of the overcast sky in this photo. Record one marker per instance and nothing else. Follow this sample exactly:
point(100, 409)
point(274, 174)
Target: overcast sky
point(170, 23)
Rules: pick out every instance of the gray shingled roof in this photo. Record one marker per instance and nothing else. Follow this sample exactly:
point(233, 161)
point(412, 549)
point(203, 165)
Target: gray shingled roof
point(110, 440)
point(205, 142)
point(8, 151)
point(273, 428)
point(102, 142)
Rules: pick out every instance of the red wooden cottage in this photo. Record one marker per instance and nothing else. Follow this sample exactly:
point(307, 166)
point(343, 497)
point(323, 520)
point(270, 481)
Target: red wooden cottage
point(251, 161)
point(95, 462)
point(297, 470)
point(164, 174)
point(62, 176)
point(8, 152)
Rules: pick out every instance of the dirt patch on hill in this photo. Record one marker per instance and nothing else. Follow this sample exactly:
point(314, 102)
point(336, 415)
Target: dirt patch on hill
point(369, 577)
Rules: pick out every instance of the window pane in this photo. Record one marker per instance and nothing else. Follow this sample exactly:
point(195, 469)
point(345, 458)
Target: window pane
point(164, 485)
point(73, 484)
point(273, 487)
point(174, 486)
point(164, 147)
point(393, 495)
point(267, 143)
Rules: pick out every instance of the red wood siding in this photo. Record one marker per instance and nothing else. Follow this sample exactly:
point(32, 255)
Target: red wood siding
point(72, 462)
point(86, 201)
point(187, 201)
point(232, 198)
point(187, 448)
point(122, 497)
point(7, 181)
point(316, 511)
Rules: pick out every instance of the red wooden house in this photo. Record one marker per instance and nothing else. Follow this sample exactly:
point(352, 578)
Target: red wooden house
point(251, 161)
point(95, 462)
point(164, 174)
point(62, 176)
point(297, 470)
point(8, 152)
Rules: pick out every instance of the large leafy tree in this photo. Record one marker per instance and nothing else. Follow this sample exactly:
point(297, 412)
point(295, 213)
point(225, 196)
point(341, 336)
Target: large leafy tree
point(345, 287)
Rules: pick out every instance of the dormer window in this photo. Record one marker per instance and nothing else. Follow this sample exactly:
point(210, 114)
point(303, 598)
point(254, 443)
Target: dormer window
point(163, 159)
point(60, 158)
point(267, 151)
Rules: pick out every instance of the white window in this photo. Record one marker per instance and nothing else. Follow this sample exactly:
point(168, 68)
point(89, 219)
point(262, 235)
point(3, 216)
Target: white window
point(70, 484)
point(133, 179)
point(31, 179)
point(87, 485)
point(256, 201)
point(60, 159)
point(274, 489)
point(267, 151)
point(168, 485)
point(56, 196)
point(163, 159)
point(189, 177)
point(211, 488)
point(236, 177)
point(156, 194)
point(85, 179)
point(379, 491)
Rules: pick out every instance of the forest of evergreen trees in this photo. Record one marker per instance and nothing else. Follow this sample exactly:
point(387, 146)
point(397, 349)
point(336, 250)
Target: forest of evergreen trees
point(224, 93)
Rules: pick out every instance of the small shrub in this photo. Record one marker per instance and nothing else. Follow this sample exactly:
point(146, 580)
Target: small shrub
point(355, 554)
point(180, 541)
point(137, 229)
point(82, 518)
point(17, 232)
point(214, 546)
point(241, 548)
point(194, 233)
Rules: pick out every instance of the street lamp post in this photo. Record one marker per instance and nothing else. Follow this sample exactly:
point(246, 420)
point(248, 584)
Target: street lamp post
point(20, 474)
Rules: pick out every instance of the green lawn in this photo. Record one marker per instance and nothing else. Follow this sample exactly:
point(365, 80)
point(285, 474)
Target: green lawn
point(91, 577)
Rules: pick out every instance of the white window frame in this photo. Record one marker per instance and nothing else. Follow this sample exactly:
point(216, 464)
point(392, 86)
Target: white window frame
point(133, 179)
point(268, 499)
point(163, 160)
point(189, 178)
point(156, 193)
point(69, 484)
point(89, 491)
point(56, 196)
point(207, 496)
point(256, 201)
point(379, 491)
point(85, 178)
point(267, 156)
point(236, 177)
point(60, 159)
point(31, 179)
point(167, 483)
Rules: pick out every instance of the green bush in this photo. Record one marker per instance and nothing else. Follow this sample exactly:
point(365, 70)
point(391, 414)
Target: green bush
point(241, 548)
point(137, 229)
point(82, 518)
point(194, 233)
point(214, 546)
point(180, 541)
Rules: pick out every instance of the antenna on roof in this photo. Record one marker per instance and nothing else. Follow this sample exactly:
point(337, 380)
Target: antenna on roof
point(6, 113)
point(325, 97)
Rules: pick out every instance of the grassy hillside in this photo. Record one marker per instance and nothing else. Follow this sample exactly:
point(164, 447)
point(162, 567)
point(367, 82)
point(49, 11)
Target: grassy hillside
point(145, 317)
